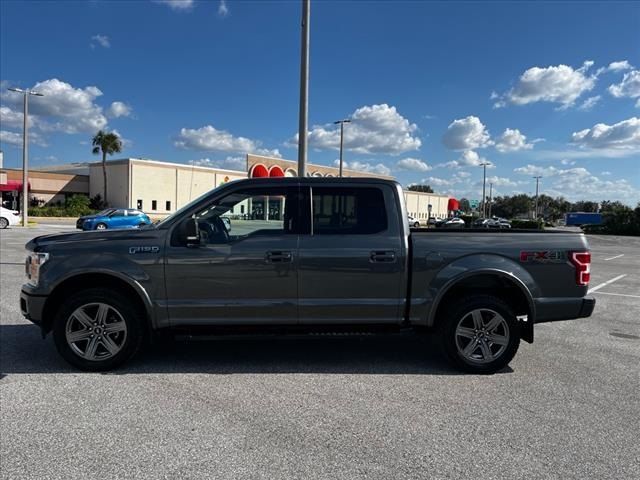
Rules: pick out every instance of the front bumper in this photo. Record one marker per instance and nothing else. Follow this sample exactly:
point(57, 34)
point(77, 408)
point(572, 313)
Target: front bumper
point(32, 306)
point(556, 309)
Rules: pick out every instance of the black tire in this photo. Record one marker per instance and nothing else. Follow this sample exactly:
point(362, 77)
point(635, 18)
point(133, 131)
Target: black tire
point(4, 223)
point(101, 226)
point(455, 343)
point(416, 225)
point(125, 310)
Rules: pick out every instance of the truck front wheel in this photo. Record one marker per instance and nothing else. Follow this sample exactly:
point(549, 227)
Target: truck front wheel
point(97, 329)
point(480, 334)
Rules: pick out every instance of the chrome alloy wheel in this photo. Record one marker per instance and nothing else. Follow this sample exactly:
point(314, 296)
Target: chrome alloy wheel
point(482, 335)
point(96, 331)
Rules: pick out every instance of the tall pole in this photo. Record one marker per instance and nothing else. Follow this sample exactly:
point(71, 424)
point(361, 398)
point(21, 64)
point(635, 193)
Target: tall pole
point(490, 197)
point(25, 161)
point(341, 122)
point(25, 151)
point(484, 188)
point(535, 214)
point(304, 89)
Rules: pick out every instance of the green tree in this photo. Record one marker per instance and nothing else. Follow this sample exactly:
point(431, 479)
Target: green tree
point(421, 188)
point(108, 143)
point(465, 206)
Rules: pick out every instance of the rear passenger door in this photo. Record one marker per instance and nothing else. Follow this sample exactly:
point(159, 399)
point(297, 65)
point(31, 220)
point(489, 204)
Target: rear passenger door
point(352, 263)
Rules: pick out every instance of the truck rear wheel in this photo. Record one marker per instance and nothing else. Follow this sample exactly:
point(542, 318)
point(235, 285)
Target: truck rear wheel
point(480, 334)
point(97, 329)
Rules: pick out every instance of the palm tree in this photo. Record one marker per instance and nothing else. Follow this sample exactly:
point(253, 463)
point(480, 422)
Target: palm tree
point(108, 143)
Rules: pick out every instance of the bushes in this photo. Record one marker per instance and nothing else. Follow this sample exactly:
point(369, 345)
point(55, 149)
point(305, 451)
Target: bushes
point(75, 206)
point(618, 219)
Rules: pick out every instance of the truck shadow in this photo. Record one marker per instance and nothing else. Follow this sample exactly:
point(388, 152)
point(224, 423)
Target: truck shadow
point(22, 351)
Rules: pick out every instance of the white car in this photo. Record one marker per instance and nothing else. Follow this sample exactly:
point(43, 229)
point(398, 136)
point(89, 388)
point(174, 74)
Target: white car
point(455, 221)
point(413, 221)
point(8, 217)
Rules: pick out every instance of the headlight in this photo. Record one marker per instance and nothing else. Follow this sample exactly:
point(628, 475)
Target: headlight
point(34, 261)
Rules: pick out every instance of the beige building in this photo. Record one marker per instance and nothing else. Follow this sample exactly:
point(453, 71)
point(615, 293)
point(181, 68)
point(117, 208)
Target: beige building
point(159, 188)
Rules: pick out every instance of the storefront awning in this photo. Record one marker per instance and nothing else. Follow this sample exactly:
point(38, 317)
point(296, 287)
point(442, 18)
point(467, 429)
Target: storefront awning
point(12, 186)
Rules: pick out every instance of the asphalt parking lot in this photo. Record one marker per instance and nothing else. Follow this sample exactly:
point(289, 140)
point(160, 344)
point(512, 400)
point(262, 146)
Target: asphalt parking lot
point(379, 407)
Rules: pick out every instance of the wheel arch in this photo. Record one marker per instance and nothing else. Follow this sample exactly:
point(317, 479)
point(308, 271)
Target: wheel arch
point(96, 279)
point(495, 282)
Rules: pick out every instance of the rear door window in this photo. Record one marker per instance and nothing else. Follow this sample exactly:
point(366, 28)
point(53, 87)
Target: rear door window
point(348, 211)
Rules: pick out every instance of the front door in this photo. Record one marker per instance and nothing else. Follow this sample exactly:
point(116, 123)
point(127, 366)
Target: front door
point(245, 269)
point(353, 263)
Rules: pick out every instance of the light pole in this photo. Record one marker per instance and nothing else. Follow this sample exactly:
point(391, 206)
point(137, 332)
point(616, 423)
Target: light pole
point(25, 151)
point(304, 88)
point(490, 197)
point(484, 187)
point(341, 122)
point(535, 213)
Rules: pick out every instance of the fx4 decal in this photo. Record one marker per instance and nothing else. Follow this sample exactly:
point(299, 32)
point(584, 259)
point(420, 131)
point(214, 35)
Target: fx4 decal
point(547, 256)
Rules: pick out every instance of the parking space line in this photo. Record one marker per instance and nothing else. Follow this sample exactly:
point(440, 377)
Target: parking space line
point(613, 258)
point(618, 294)
point(609, 282)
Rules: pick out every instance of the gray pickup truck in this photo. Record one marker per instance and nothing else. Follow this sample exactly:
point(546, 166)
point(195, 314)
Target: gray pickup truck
point(302, 255)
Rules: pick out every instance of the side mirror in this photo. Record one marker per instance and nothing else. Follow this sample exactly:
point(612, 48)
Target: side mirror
point(191, 232)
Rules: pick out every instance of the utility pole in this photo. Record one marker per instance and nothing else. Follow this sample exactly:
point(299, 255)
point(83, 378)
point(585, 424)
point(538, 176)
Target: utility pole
point(304, 89)
point(341, 122)
point(25, 151)
point(490, 197)
point(535, 214)
point(484, 188)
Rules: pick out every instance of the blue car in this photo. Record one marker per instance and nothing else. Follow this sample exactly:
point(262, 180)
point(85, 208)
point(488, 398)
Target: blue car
point(112, 218)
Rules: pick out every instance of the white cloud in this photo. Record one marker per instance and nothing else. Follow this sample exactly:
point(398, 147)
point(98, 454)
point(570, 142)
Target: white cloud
point(358, 166)
point(512, 141)
point(454, 164)
point(12, 118)
point(560, 84)
point(500, 182)
point(589, 103)
point(119, 109)
point(463, 174)
point(566, 161)
point(469, 158)
point(466, 134)
point(63, 108)
point(619, 66)
point(229, 163)
point(375, 129)
point(178, 5)
point(605, 173)
point(14, 138)
point(223, 9)
point(413, 164)
point(438, 182)
point(210, 139)
point(629, 87)
point(101, 40)
point(624, 135)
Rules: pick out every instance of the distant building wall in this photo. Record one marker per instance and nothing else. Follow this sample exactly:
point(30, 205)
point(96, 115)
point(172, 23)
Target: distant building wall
point(418, 204)
point(51, 188)
point(117, 182)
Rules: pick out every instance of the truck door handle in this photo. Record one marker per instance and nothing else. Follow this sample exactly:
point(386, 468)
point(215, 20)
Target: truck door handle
point(382, 257)
point(279, 257)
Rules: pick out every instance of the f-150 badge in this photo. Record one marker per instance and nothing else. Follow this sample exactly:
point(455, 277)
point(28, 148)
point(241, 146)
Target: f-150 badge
point(148, 249)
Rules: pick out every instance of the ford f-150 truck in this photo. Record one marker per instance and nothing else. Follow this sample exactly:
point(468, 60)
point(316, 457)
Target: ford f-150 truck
point(304, 255)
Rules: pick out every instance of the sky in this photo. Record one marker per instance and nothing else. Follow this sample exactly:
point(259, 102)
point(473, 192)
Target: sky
point(433, 89)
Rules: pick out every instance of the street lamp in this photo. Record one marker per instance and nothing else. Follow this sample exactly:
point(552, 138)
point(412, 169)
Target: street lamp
point(341, 122)
point(25, 151)
point(535, 215)
point(484, 187)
